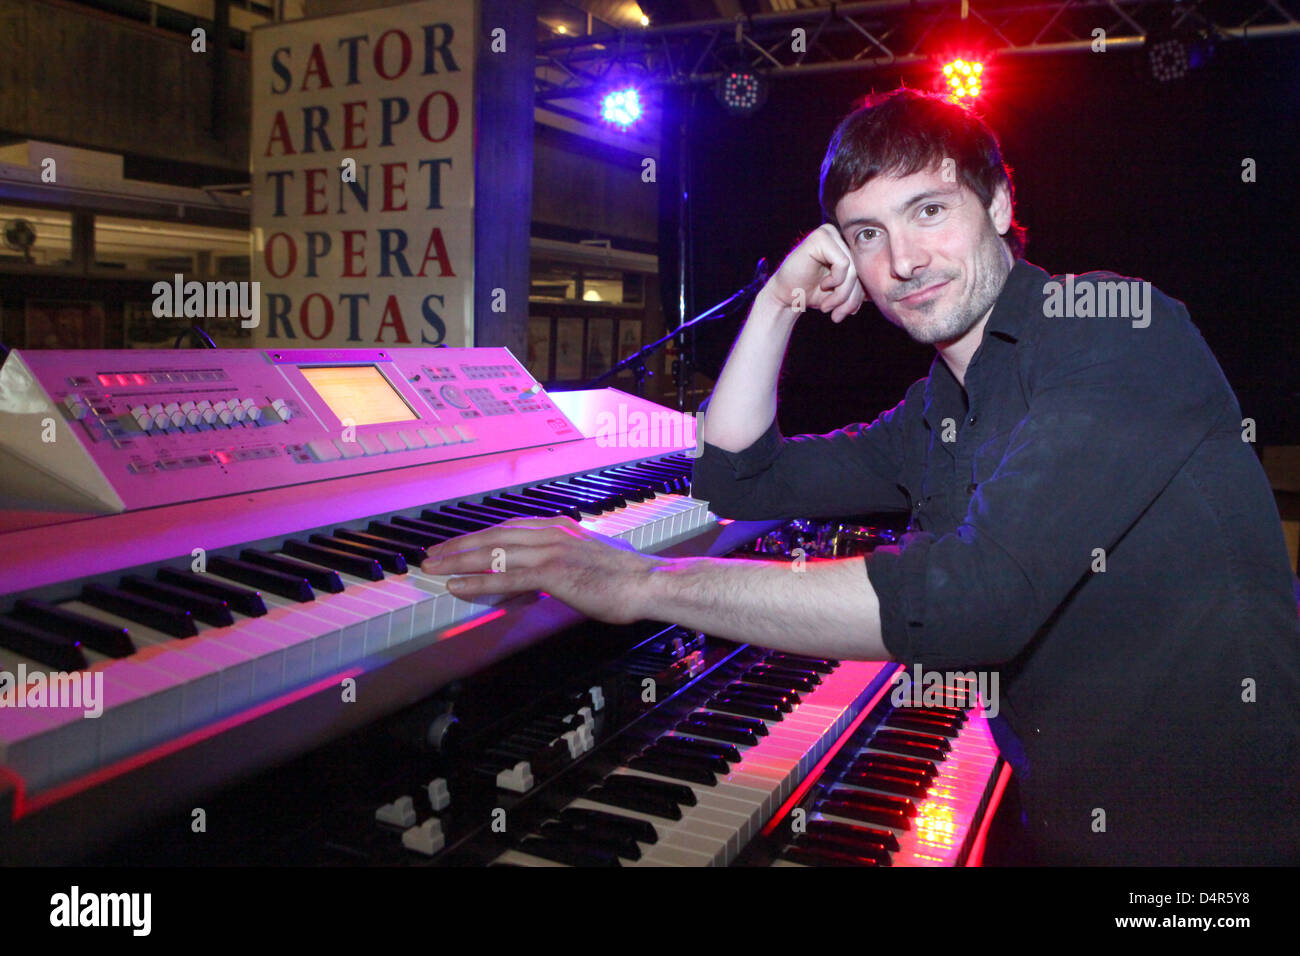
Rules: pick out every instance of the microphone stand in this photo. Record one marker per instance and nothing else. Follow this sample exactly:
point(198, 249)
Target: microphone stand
point(637, 360)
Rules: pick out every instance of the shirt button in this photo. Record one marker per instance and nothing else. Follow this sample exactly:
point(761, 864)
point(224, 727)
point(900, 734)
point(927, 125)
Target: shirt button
point(970, 489)
point(971, 420)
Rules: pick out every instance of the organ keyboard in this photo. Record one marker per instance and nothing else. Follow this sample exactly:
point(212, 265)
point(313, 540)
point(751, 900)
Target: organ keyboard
point(237, 635)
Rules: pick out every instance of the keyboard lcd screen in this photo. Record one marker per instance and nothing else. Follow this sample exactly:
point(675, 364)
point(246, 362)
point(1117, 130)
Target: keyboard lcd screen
point(358, 394)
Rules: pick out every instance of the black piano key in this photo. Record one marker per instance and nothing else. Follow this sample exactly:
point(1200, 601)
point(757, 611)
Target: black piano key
point(496, 503)
point(819, 664)
point(743, 737)
point(787, 671)
point(746, 708)
point(390, 561)
point(910, 737)
point(321, 579)
point(634, 784)
point(544, 508)
point(490, 513)
point(245, 601)
point(875, 854)
point(863, 798)
point(904, 721)
point(443, 532)
point(606, 499)
point(891, 763)
point(575, 507)
point(478, 516)
point(810, 855)
point(573, 854)
point(209, 610)
point(588, 837)
point(409, 552)
point(642, 831)
point(890, 783)
point(885, 816)
point(853, 834)
point(648, 468)
point(680, 459)
point(659, 484)
point(646, 803)
point(447, 519)
point(910, 749)
point(905, 805)
point(570, 497)
point(768, 679)
point(622, 490)
point(394, 532)
point(635, 489)
point(161, 617)
point(784, 701)
point(367, 569)
point(711, 762)
point(756, 727)
point(293, 587)
point(48, 647)
point(106, 638)
point(948, 713)
point(705, 747)
point(678, 768)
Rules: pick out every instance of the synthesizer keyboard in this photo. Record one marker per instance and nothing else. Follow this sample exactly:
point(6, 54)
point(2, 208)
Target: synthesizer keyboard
point(245, 624)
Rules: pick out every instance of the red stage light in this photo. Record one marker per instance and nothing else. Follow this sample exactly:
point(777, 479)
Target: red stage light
point(963, 79)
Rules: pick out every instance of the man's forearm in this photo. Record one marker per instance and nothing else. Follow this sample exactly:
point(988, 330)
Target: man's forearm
point(744, 401)
point(827, 609)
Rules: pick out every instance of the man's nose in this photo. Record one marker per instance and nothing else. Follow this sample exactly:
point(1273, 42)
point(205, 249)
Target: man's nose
point(906, 256)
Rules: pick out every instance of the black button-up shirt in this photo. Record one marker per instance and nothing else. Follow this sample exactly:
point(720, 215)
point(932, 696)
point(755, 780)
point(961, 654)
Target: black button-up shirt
point(1088, 522)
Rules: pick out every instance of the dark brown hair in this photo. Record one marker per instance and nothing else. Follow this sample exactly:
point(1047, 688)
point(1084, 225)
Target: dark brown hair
point(905, 131)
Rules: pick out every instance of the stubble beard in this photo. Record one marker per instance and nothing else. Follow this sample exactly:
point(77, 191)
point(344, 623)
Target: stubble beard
point(991, 274)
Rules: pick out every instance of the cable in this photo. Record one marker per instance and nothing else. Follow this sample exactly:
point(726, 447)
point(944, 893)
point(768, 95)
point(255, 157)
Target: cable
point(193, 331)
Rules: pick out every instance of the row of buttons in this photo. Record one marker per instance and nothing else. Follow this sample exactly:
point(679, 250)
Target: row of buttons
point(176, 415)
point(327, 449)
point(488, 371)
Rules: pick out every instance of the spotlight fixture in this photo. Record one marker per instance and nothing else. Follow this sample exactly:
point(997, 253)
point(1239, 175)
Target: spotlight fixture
point(1171, 52)
point(963, 79)
point(741, 91)
point(1168, 59)
point(621, 107)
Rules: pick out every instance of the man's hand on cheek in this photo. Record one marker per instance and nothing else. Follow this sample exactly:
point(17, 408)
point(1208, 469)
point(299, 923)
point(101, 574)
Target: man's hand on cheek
point(602, 577)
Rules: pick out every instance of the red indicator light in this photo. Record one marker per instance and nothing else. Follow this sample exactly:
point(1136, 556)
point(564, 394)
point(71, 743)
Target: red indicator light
point(105, 379)
point(138, 379)
point(123, 379)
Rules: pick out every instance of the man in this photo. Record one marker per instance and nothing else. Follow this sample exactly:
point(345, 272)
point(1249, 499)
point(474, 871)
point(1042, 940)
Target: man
point(1086, 518)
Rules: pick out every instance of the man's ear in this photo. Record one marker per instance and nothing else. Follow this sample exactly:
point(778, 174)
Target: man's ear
point(1000, 208)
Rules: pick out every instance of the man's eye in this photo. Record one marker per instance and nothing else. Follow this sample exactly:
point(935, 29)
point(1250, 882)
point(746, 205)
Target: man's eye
point(935, 206)
point(863, 237)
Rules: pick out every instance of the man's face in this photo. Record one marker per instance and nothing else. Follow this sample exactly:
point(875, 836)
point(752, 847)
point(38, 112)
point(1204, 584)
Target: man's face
point(927, 252)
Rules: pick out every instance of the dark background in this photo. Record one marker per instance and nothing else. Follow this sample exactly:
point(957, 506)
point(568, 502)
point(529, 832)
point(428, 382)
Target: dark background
point(1111, 170)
